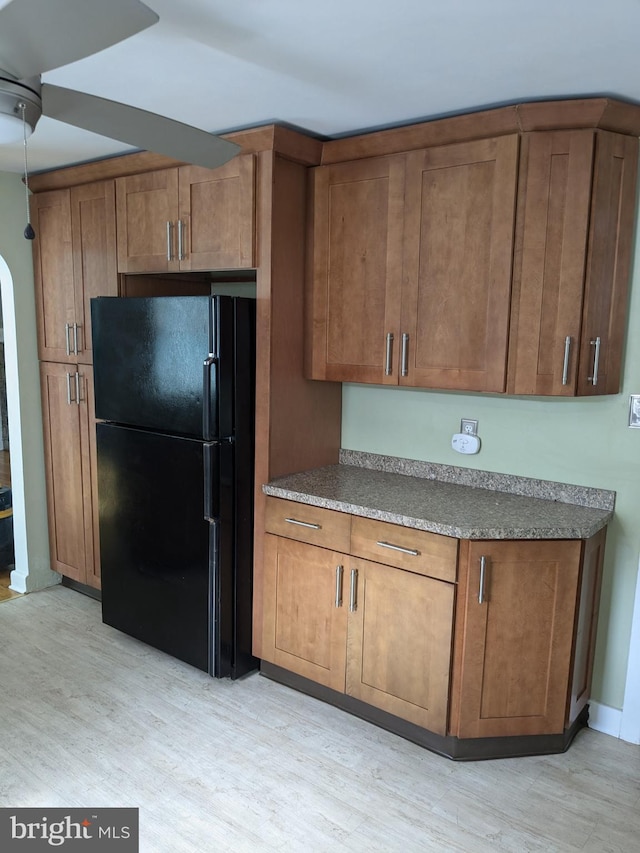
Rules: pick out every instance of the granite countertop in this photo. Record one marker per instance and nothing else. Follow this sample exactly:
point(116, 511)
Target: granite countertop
point(451, 501)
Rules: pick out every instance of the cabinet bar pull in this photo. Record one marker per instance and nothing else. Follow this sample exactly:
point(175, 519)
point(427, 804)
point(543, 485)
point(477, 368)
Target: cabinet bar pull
point(339, 571)
point(75, 339)
point(304, 523)
point(77, 388)
point(411, 551)
point(405, 354)
point(353, 586)
point(596, 361)
point(67, 346)
point(483, 567)
point(565, 363)
point(387, 362)
point(69, 400)
point(180, 240)
point(169, 241)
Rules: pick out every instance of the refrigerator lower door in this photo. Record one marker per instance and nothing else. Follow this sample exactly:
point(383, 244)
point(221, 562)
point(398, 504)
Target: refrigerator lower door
point(160, 556)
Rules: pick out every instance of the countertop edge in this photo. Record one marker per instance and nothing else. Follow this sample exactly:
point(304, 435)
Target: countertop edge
point(584, 531)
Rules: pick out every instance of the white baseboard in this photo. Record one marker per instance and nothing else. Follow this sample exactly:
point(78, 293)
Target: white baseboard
point(605, 719)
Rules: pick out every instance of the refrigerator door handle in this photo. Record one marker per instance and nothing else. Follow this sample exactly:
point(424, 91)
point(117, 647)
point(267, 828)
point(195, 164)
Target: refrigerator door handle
point(209, 381)
point(211, 463)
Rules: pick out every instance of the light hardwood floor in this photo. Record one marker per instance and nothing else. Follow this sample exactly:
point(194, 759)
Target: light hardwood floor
point(94, 718)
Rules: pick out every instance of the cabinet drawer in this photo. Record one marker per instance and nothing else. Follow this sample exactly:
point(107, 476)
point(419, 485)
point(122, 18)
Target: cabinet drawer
point(415, 550)
point(311, 524)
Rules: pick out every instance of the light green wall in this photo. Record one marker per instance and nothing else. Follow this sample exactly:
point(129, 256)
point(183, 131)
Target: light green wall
point(23, 393)
point(586, 442)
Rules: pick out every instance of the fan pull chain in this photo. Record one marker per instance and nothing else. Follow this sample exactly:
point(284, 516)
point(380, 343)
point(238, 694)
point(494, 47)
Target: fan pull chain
point(29, 233)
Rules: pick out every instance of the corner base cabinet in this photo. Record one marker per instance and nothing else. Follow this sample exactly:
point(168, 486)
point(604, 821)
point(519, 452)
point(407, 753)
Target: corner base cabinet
point(475, 649)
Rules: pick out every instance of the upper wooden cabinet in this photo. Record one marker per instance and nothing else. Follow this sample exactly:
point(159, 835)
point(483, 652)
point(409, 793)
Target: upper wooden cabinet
point(412, 267)
point(187, 218)
point(498, 264)
point(357, 268)
point(458, 240)
point(74, 260)
point(573, 250)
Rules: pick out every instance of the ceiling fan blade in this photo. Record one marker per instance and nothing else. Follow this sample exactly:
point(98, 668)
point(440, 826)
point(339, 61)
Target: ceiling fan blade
point(38, 35)
point(140, 128)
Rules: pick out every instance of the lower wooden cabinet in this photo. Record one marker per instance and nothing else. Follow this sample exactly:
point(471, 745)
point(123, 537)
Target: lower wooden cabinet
point(70, 459)
point(487, 645)
point(374, 632)
point(305, 627)
point(517, 621)
point(399, 642)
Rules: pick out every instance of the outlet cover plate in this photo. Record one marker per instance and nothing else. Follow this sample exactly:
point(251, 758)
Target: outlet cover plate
point(468, 426)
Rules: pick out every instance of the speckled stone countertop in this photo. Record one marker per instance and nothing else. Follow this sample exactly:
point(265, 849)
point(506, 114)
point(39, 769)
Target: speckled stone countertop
point(453, 501)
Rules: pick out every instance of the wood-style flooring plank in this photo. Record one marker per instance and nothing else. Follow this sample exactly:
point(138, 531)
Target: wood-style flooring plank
point(95, 718)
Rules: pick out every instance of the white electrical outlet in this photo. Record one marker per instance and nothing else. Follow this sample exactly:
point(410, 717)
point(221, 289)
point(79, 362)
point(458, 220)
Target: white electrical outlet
point(468, 426)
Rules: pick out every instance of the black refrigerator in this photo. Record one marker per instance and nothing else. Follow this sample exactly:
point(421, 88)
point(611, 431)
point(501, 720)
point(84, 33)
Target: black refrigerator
point(174, 395)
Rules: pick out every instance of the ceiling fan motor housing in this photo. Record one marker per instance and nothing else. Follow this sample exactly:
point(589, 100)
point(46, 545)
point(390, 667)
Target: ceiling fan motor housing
point(14, 93)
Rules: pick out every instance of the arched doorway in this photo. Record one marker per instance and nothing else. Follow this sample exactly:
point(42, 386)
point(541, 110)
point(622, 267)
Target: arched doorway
point(32, 570)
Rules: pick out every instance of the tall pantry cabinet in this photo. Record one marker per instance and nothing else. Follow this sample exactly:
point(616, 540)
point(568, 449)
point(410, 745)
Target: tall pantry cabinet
point(74, 260)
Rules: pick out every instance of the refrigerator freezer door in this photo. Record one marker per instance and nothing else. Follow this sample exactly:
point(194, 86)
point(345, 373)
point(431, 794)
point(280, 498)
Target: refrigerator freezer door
point(162, 561)
point(148, 363)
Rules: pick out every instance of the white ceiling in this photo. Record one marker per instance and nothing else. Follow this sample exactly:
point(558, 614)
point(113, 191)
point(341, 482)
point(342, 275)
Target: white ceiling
point(344, 65)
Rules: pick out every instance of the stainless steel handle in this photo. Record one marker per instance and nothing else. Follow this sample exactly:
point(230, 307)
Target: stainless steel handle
point(67, 345)
point(411, 551)
point(77, 388)
point(353, 591)
point(69, 400)
point(596, 361)
point(304, 523)
point(180, 240)
point(405, 354)
point(565, 363)
point(483, 568)
point(339, 573)
point(75, 339)
point(388, 366)
point(169, 241)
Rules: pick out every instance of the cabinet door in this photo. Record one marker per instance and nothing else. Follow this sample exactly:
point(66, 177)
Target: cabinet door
point(399, 643)
point(68, 464)
point(147, 214)
point(53, 274)
point(518, 626)
point(357, 268)
point(551, 246)
point(93, 220)
point(217, 216)
point(305, 619)
point(611, 234)
point(459, 222)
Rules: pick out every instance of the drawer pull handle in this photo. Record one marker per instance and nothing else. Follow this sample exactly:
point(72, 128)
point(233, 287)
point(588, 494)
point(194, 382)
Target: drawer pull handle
point(339, 571)
point(304, 523)
point(411, 551)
